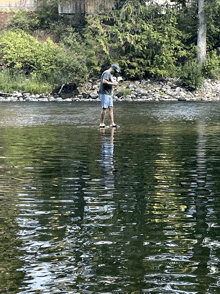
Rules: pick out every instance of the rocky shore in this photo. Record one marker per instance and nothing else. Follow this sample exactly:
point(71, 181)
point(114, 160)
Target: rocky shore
point(144, 90)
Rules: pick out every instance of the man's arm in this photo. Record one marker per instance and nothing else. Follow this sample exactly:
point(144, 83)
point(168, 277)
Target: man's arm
point(109, 83)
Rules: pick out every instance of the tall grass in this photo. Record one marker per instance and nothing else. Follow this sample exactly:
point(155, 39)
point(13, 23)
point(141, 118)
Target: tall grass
point(11, 81)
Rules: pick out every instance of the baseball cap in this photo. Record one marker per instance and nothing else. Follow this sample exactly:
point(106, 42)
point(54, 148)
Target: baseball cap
point(115, 67)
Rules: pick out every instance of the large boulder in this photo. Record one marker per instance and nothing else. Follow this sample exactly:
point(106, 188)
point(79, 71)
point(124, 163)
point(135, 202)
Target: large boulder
point(66, 91)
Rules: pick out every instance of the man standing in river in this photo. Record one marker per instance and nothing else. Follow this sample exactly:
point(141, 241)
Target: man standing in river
point(106, 94)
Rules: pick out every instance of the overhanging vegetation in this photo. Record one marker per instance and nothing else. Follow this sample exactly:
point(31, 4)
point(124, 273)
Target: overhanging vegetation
point(147, 41)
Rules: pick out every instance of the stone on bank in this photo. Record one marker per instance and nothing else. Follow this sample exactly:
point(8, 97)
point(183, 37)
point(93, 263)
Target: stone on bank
point(143, 90)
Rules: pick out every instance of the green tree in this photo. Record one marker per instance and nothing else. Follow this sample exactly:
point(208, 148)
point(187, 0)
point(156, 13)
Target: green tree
point(120, 3)
point(143, 39)
point(212, 10)
point(47, 12)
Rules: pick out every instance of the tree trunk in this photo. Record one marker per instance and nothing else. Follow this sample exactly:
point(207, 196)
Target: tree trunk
point(201, 38)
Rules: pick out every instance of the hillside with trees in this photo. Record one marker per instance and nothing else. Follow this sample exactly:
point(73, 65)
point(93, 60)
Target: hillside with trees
point(40, 50)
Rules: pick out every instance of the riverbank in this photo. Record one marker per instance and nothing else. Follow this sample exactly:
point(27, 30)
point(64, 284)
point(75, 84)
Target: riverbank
point(144, 90)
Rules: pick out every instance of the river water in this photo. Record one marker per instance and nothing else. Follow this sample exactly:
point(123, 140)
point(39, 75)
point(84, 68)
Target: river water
point(135, 210)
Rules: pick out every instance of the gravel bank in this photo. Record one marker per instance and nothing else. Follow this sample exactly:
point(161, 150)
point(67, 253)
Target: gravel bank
point(144, 90)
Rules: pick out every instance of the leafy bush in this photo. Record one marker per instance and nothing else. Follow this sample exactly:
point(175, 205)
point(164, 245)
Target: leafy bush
point(79, 52)
point(70, 67)
point(47, 12)
point(23, 52)
point(191, 75)
point(211, 67)
point(23, 20)
point(46, 17)
point(125, 92)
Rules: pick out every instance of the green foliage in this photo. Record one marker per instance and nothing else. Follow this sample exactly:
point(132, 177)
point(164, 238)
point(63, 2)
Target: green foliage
point(125, 92)
point(120, 3)
point(11, 81)
point(211, 68)
point(82, 53)
point(47, 12)
point(8, 84)
point(23, 52)
point(191, 75)
point(46, 17)
point(146, 41)
point(212, 9)
point(23, 20)
point(70, 66)
point(142, 39)
point(187, 23)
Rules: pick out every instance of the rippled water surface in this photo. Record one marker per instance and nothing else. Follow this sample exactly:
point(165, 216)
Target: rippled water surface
point(135, 210)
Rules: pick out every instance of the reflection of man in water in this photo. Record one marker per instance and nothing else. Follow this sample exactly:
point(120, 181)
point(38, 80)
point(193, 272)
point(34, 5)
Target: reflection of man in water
point(107, 161)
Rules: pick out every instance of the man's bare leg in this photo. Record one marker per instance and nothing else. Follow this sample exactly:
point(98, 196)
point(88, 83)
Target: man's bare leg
point(103, 115)
point(111, 115)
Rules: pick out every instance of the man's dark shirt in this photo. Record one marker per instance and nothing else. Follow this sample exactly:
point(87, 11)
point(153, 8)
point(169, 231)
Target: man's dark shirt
point(105, 88)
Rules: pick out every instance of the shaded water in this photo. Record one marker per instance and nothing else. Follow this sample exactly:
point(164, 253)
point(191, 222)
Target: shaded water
point(136, 210)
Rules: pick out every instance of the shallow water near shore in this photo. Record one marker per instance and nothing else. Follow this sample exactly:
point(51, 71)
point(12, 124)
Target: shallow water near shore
point(131, 210)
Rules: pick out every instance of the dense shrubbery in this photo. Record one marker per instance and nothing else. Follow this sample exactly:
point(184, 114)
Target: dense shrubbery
point(24, 20)
point(28, 21)
point(191, 75)
point(55, 64)
point(23, 52)
point(211, 67)
point(147, 41)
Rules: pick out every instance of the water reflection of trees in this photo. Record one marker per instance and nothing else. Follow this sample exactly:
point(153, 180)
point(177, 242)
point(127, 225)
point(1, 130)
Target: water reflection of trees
point(166, 209)
point(134, 213)
point(51, 170)
point(61, 199)
point(10, 245)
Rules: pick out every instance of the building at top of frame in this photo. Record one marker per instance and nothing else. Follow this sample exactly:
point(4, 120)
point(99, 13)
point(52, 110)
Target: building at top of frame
point(18, 5)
